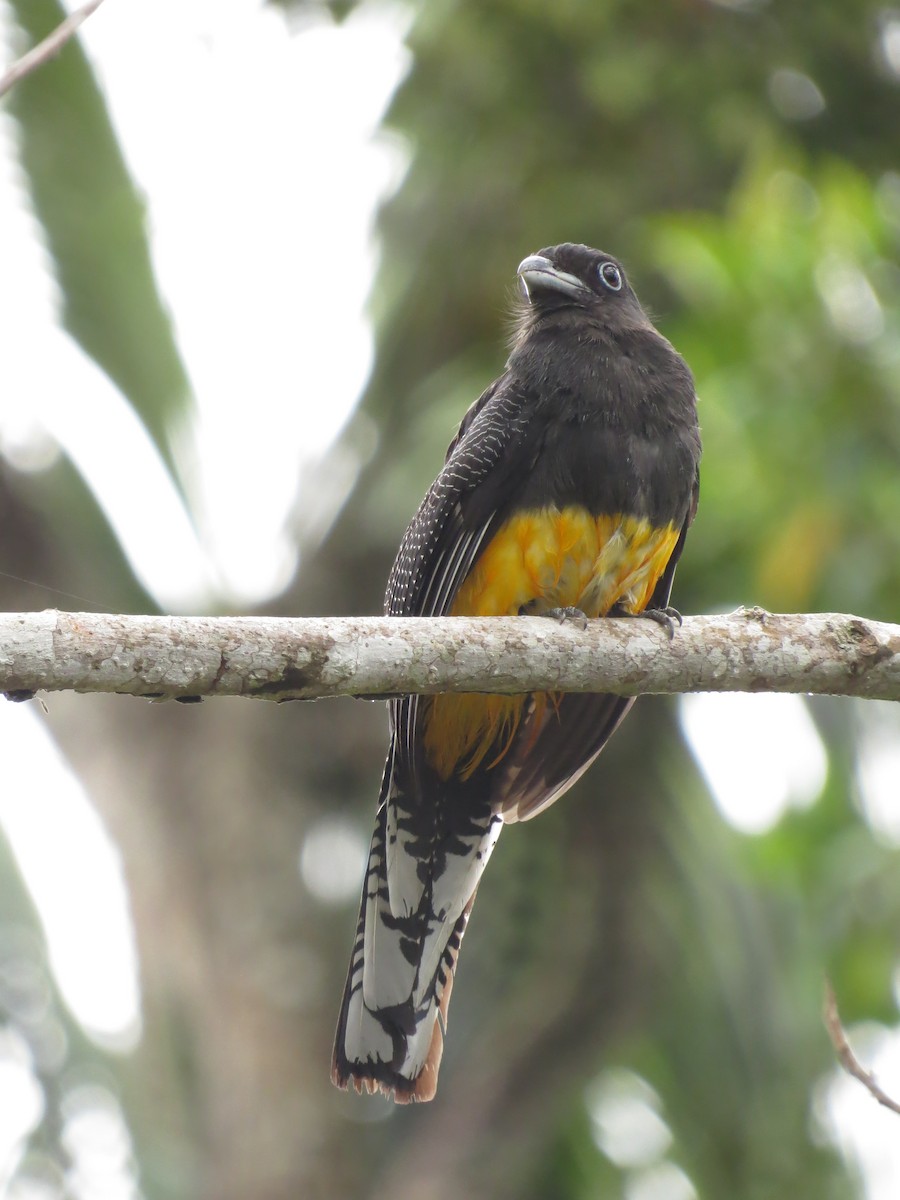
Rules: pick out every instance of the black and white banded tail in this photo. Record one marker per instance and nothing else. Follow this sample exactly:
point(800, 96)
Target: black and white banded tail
point(423, 871)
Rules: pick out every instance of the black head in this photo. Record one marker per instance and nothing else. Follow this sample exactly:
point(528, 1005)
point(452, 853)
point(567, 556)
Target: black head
point(571, 276)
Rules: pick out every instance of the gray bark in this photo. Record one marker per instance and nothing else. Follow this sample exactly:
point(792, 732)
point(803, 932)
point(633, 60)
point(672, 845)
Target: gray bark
point(310, 658)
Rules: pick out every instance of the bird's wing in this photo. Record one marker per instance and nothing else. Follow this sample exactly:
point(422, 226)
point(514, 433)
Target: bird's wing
point(441, 544)
point(435, 555)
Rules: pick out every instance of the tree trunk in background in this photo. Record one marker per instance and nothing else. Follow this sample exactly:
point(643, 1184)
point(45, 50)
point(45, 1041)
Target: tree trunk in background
point(209, 804)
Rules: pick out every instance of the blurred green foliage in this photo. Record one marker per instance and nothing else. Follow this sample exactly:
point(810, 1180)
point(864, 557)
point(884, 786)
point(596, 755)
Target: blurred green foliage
point(742, 158)
point(790, 318)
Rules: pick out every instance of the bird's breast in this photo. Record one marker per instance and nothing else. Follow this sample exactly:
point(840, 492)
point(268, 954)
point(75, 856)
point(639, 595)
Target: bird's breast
point(540, 559)
point(567, 557)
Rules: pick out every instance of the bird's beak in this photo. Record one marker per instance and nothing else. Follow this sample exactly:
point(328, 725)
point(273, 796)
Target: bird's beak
point(538, 274)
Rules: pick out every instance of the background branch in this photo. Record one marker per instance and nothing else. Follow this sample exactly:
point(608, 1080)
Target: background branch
point(846, 1057)
point(305, 659)
point(44, 50)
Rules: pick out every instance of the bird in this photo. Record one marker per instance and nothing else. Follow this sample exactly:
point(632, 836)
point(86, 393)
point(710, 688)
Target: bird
point(566, 492)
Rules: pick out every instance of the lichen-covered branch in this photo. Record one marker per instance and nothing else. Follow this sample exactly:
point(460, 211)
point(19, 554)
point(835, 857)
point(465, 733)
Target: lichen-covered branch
point(308, 658)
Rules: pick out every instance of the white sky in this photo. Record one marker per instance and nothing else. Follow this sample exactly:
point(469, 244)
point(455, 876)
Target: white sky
point(255, 150)
point(760, 755)
point(254, 146)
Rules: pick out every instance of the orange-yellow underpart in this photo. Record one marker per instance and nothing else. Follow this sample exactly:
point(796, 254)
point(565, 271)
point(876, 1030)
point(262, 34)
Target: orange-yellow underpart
point(541, 559)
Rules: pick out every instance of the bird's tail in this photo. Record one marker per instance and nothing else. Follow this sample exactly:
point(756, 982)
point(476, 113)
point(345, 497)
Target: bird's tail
point(412, 918)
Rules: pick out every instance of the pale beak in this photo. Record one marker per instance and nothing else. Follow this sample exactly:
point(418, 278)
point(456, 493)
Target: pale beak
point(538, 274)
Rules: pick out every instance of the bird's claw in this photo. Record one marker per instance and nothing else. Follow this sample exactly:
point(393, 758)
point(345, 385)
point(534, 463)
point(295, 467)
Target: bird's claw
point(569, 613)
point(667, 617)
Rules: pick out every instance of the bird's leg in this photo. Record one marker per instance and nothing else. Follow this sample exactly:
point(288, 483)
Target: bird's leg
point(667, 617)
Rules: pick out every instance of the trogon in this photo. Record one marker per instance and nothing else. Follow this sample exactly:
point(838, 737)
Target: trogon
point(567, 491)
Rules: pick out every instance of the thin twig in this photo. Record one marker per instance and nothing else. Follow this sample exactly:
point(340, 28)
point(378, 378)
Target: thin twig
point(52, 44)
point(846, 1057)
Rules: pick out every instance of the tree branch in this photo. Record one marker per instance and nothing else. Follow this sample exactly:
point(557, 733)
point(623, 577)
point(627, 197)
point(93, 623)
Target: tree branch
point(309, 658)
point(846, 1057)
point(45, 50)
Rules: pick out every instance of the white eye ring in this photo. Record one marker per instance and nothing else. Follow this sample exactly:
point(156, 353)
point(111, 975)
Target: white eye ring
point(610, 276)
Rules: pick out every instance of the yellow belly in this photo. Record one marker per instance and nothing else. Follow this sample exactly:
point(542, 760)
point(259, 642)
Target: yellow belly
point(548, 558)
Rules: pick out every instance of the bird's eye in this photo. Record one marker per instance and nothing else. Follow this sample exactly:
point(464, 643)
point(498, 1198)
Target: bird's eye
point(611, 276)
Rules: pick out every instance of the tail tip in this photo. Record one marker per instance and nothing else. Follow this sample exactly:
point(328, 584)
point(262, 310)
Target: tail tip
point(373, 1076)
point(372, 1079)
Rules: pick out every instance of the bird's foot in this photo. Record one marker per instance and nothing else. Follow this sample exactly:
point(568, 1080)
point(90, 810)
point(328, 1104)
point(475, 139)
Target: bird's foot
point(566, 614)
point(667, 617)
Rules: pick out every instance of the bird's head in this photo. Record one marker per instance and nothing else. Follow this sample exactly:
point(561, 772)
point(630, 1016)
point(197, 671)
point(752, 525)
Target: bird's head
point(576, 277)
